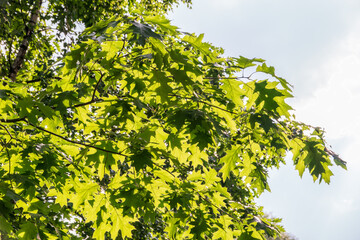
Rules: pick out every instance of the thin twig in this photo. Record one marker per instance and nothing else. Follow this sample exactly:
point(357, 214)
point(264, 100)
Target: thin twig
point(227, 77)
point(83, 104)
point(206, 103)
point(96, 86)
point(38, 80)
point(93, 100)
point(6, 130)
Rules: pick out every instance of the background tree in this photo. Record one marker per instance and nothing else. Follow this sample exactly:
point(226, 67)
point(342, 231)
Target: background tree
point(134, 129)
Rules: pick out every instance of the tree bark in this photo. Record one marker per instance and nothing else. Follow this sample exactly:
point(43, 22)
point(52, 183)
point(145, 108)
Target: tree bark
point(29, 29)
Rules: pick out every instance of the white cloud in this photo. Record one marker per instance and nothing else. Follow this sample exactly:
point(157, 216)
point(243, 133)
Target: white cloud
point(315, 46)
point(225, 4)
point(335, 104)
point(344, 206)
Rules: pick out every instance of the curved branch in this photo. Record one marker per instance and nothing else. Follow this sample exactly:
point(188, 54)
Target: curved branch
point(96, 86)
point(75, 142)
point(203, 102)
point(93, 100)
point(6, 130)
point(12, 120)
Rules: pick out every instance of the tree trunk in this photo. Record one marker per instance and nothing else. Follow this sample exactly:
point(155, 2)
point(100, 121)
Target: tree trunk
point(29, 29)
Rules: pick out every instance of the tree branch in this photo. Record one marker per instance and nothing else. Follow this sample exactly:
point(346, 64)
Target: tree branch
point(93, 95)
point(83, 104)
point(29, 29)
point(12, 120)
point(38, 80)
point(6, 130)
point(96, 86)
point(75, 142)
point(203, 102)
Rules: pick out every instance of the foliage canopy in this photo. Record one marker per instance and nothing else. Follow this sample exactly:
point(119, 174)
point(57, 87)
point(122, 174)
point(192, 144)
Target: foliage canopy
point(135, 130)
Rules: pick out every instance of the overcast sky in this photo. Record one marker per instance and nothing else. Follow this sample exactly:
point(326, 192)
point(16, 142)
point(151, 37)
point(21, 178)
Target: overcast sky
point(315, 45)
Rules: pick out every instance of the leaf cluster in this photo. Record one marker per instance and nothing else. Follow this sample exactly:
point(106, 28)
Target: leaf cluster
point(141, 131)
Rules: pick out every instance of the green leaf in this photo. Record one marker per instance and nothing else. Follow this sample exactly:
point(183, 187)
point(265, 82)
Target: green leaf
point(199, 45)
point(172, 227)
point(164, 175)
point(141, 159)
point(122, 223)
point(162, 22)
point(317, 161)
point(200, 225)
point(164, 89)
point(271, 98)
point(271, 70)
point(224, 232)
point(244, 62)
point(28, 231)
point(181, 77)
point(83, 192)
point(4, 93)
point(233, 91)
point(338, 161)
point(5, 226)
point(112, 48)
point(229, 161)
point(46, 110)
point(260, 178)
point(142, 32)
point(265, 122)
